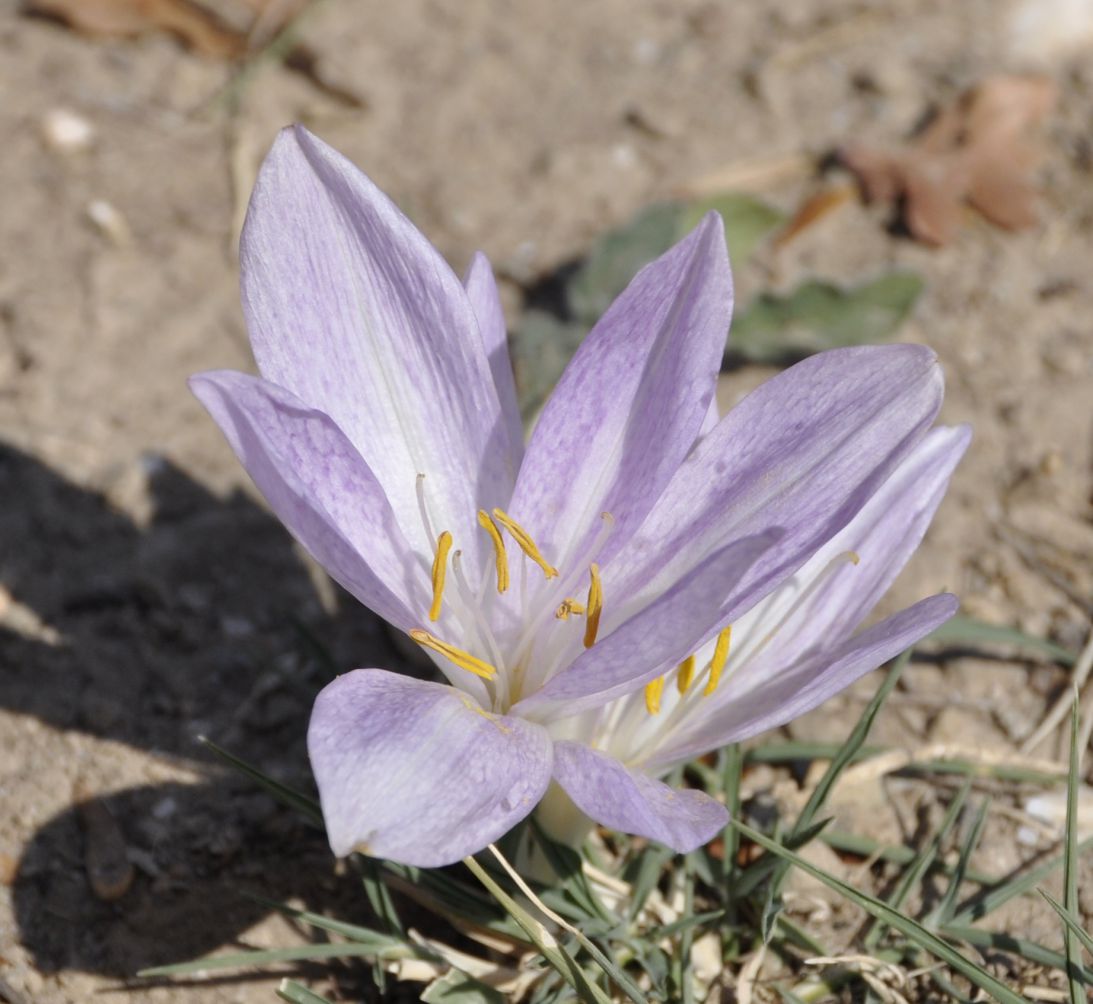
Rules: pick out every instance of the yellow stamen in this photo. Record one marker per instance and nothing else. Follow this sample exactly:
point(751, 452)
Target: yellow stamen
point(464, 660)
point(854, 557)
point(653, 691)
point(440, 572)
point(594, 605)
point(527, 545)
point(686, 674)
point(720, 657)
point(566, 607)
point(490, 527)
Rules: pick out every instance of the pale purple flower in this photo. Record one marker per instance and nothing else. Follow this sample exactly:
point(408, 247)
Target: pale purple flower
point(553, 584)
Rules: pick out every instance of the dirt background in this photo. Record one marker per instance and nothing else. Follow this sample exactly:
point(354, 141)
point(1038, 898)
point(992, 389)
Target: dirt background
point(147, 597)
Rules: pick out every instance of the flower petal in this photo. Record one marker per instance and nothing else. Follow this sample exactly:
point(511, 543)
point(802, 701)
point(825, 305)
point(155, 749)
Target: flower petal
point(321, 489)
point(631, 802)
point(883, 535)
point(803, 452)
point(631, 402)
point(417, 772)
point(482, 290)
point(765, 703)
point(652, 641)
point(350, 308)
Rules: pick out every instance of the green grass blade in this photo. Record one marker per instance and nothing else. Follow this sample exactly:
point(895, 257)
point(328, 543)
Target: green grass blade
point(945, 908)
point(969, 631)
point(282, 792)
point(658, 934)
point(354, 932)
point(985, 903)
point(911, 929)
point(788, 752)
point(1070, 920)
point(550, 949)
point(1070, 859)
point(1001, 941)
point(379, 896)
point(297, 993)
point(853, 744)
point(298, 953)
point(686, 938)
point(921, 862)
point(897, 854)
point(571, 877)
point(839, 762)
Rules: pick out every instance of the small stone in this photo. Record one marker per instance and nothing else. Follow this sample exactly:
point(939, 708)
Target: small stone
point(108, 220)
point(66, 132)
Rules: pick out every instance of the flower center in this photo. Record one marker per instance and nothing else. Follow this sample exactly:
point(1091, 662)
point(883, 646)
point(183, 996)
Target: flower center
point(522, 664)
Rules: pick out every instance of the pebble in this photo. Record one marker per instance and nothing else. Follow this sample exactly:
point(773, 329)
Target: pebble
point(108, 220)
point(66, 132)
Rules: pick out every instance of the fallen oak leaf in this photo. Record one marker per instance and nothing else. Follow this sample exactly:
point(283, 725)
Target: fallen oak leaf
point(977, 151)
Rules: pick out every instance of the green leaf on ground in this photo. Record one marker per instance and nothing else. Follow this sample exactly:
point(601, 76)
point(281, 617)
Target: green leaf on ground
point(819, 315)
point(617, 256)
point(747, 221)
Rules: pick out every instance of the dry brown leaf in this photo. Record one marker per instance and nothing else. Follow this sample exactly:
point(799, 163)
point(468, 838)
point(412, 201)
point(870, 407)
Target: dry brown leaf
point(198, 28)
point(979, 151)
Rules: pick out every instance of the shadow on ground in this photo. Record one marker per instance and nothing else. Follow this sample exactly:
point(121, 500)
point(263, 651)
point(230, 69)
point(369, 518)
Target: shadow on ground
point(201, 621)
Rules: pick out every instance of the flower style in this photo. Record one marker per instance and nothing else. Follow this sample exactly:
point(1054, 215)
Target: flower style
point(641, 584)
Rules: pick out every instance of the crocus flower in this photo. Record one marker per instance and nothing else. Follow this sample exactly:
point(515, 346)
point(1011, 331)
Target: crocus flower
point(554, 586)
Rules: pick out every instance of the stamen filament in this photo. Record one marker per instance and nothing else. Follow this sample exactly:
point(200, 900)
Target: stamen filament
point(654, 689)
point(527, 545)
point(685, 674)
point(464, 660)
point(498, 542)
point(594, 606)
point(720, 657)
point(440, 572)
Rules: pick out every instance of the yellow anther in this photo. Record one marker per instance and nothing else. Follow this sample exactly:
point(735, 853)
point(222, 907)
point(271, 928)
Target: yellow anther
point(854, 557)
point(594, 606)
point(490, 527)
point(464, 660)
point(566, 607)
point(653, 691)
point(720, 657)
point(686, 674)
point(527, 545)
point(440, 572)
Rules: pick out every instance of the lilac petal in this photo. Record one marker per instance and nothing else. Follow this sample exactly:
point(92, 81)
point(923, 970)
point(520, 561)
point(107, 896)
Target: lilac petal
point(631, 802)
point(760, 704)
point(486, 303)
point(804, 452)
point(653, 640)
point(711, 418)
point(321, 489)
point(631, 402)
point(883, 536)
point(417, 772)
point(350, 308)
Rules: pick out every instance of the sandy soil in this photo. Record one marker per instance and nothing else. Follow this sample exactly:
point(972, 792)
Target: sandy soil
point(147, 597)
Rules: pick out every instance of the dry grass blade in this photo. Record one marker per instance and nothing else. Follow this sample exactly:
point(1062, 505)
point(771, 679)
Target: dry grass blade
point(1059, 709)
